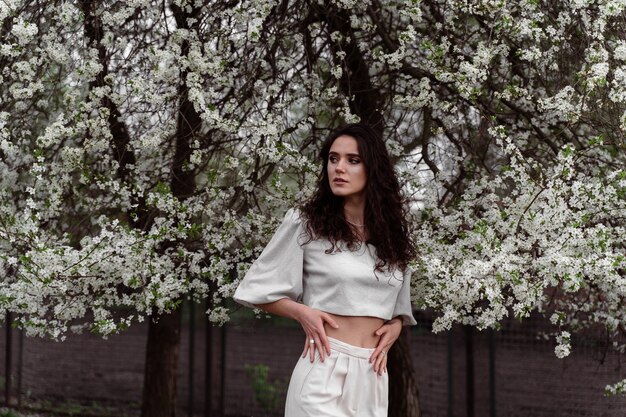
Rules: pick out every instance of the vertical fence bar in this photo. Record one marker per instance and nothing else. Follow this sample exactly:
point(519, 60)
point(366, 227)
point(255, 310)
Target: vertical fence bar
point(222, 370)
point(450, 374)
point(20, 369)
point(192, 330)
point(469, 359)
point(8, 358)
point(208, 368)
point(492, 373)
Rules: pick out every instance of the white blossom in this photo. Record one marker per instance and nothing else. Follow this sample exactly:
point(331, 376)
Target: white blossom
point(23, 31)
point(505, 135)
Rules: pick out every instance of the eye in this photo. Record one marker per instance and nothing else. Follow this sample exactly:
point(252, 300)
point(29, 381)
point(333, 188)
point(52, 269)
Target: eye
point(332, 158)
point(355, 161)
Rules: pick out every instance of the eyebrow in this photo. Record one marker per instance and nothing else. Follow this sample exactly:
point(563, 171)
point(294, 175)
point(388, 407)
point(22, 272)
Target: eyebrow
point(349, 154)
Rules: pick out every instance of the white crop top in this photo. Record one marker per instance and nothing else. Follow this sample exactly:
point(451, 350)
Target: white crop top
point(342, 283)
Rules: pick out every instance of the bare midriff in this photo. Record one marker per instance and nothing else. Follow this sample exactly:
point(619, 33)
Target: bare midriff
point(355, 330)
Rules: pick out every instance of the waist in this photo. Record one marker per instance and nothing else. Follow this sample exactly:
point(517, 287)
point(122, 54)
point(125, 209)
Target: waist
point(355, 330)
point(348, 349)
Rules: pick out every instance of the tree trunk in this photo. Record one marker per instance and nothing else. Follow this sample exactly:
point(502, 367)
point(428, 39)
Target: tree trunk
point(403, 393)
point(159, 394)
point(365, 99)
point(159, 390)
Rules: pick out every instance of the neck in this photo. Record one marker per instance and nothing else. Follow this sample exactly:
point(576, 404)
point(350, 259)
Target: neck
point(354, 210)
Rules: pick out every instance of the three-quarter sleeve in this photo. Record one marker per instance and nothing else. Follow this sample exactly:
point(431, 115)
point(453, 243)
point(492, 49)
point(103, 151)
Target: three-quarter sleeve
point(277, 272)
point(403, 307)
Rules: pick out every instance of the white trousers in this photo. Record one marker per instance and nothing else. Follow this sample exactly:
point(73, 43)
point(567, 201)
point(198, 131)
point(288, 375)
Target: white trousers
point(344, 385)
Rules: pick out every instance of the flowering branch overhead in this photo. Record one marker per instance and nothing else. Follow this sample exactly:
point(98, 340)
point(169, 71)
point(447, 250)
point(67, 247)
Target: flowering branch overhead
point(147, 150)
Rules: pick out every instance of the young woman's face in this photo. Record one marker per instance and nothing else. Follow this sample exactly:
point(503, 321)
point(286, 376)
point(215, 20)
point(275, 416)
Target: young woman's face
point(346, 171)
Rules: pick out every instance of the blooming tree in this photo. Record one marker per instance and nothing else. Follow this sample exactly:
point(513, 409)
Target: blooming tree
point(525, 102)
point(147, 148)
point(529, 204)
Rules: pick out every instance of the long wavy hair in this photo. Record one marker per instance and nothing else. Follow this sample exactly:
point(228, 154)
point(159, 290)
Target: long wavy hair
point(385, 213)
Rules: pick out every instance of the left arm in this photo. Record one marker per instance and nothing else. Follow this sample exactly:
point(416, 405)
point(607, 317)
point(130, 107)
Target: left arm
point(389, 333)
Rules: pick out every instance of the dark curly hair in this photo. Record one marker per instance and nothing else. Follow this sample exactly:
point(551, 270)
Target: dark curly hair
point(385, 215)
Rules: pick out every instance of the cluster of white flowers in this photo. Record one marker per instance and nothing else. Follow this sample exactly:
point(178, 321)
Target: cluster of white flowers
point(563, 347)
point(617, 388)
point(24, 31)
point(508, 121)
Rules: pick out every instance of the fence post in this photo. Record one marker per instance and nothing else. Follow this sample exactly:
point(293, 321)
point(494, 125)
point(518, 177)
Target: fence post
point(450, 374)
point(492, 373)
point(20, 369)
point(208, 367)
point(8, 358)
point(222, 369)
point(469, 359)
point(192, 330)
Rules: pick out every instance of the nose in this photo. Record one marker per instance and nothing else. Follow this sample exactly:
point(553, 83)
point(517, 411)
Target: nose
point(340, 166)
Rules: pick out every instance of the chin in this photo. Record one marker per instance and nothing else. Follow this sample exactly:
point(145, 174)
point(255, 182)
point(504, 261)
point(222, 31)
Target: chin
point(343, 193)
point(340, 192)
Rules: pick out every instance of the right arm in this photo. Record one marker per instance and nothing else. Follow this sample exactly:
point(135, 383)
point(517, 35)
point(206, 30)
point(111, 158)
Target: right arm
point(311, 320)
point(274, 283)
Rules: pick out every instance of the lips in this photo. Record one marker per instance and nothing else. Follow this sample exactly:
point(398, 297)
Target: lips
point(340, 181)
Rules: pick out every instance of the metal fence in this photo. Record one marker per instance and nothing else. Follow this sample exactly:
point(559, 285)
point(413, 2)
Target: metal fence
point(242, 370)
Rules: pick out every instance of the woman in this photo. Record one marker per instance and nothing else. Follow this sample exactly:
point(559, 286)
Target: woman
point(337, 266)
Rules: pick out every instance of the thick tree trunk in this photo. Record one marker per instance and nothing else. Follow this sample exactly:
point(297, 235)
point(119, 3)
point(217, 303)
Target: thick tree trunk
point(366, 98)
point(159, 394)
point(403, 393)
point(159, 389)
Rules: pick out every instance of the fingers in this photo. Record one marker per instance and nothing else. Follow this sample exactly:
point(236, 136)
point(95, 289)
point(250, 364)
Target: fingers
point(325, 345)
point(379, 356)
point(313, 325)
point(330, 321)
point(317, 344)
point(385, 328)
point(378, 362)
point(306, 346)
point(383, 343)
point(312, 348)
point(333, 324)
point(383, 366)
point(376, 352)
point(382, 331)
point(320, 345)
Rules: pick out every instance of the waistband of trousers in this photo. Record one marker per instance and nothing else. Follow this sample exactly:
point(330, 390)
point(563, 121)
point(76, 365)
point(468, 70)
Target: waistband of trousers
point(348, 349)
